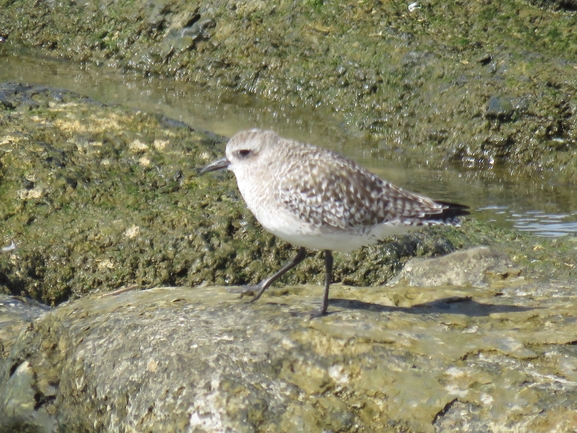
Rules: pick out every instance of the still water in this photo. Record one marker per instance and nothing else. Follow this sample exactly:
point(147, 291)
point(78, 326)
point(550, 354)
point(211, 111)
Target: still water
point(540, 205)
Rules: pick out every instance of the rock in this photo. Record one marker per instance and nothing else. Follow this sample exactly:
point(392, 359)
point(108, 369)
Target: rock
point(18, 392)
point(186, 38)
point(569, 5)
point(476, 267)
point(15, 313)
point(500, 108)
point(386, 359)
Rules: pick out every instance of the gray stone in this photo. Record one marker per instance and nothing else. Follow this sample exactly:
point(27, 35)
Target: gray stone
point(476, 267)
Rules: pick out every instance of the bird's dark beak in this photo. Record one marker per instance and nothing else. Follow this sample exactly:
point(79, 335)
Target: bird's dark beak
point(219, 164)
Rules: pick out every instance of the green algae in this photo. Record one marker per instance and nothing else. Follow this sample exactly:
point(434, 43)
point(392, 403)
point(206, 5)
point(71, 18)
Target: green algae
point(418, 80)
point(98, 197)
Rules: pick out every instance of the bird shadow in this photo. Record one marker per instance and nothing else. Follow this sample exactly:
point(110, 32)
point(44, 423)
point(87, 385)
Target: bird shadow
point(452, 305)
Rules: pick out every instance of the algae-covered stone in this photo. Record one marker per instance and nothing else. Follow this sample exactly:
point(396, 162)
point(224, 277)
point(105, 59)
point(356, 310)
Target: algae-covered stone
point(479, 83)
point(97, 197)
point(475, 267)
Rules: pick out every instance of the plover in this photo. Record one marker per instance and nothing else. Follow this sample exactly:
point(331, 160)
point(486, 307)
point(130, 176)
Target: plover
point(318, 199)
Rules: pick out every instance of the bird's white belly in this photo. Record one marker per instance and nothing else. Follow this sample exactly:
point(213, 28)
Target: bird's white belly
point(290, 228)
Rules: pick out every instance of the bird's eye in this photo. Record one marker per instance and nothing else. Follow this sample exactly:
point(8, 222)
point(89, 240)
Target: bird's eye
point(243, 153)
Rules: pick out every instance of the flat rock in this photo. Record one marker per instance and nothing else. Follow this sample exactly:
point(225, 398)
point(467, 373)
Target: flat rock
point(385, 359)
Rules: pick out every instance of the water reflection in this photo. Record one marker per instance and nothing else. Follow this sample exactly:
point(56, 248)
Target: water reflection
point(534, 221)
point(540, 205)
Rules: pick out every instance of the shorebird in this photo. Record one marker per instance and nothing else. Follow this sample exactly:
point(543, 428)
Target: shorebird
point(320, 200)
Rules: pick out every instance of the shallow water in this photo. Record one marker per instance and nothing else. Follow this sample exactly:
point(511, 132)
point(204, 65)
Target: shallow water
point(539, 205)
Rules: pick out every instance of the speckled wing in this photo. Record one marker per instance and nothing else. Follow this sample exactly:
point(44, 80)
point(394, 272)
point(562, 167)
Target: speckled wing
point(332, 190)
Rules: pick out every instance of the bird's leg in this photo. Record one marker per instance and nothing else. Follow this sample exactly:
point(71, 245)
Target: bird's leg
point(328, 281)
point(265, 284)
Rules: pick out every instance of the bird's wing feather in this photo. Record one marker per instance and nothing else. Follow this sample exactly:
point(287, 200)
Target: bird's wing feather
point(332, 190)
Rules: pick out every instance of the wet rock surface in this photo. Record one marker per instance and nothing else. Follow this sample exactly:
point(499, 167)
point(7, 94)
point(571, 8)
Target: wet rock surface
point(392, 359)
point(15, 312)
